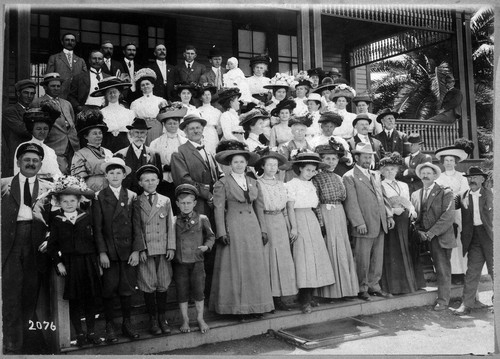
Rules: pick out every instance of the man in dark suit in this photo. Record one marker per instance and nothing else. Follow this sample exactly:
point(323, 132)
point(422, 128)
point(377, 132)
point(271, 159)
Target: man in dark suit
point(189, 71)
point(130, 67)
point(476, 205)
point(24, 262)
point(392, 140)
point(164, 84)
point(435, 207)
point(192, 164)
point(411, 162)
point(214, 75)
point(66, 63)
point(62, 137)
point(86, 83)
point(362, 125)
point(110, 66)
point(450, 110)
point(13, 129)
point(370, 215)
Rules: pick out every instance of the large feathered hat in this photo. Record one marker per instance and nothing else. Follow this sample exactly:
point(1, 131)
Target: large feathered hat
point(461, 150)
point(89, 118)
point(227, 149)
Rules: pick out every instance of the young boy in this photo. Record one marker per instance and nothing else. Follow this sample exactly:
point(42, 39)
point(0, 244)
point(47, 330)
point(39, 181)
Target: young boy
point(194, 237)
point(158, 231)
point(119, 240)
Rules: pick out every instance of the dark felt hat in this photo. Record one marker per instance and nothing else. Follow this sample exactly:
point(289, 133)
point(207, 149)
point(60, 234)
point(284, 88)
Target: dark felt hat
point(332, 117)
point(210, 87)
point(30, 147)
point(361, 116)
point(475, 171)
point(191, 118)
point(286, 104)
point(318, 71)
point(300, 120)
point(385, 112)
point(88, 119)
point(262, 59)
point(332, 147)
point(138, 124)
point(214, 52)
point(414, 138)
point(147, 169)
point(22, 84)
point(326, 84)
point(362, 97)
point(252, 115)
point(227, 93)
point(48, 112)
point(108, 83)
point(191, 86)
point(187, 189)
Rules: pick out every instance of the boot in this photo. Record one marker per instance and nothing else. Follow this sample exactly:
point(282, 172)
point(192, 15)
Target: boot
point(162, 321)
point(128, 330)
point(161, 300)
point(149, 299)
point(154, 328)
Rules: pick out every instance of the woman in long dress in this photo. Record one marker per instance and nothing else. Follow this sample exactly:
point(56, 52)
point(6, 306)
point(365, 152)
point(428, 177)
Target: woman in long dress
point(450, 177)
point(313, 268)
point(398, 273)
point(86, 162)
point(115, 115)
point(273, 198)
point(331, 216)
point(229, 120)
point(240, 283)
point(212, 130)
point(341, 96)
point(281, 132)
point(148, 106)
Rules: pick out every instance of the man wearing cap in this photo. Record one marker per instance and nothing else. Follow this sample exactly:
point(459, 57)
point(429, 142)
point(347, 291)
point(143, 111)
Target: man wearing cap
point(411, 162)
point(370, 215)
point(110, 66)
point(62, 138)
point(190, 70)
point(164, 84)
point(13, 129)
point(435, 208)
point(362, 103)
point(362, 123)
point(86, 83)
point(24, 231)
point(476, 205)
point(137, 154)
point(392, 140)
point(214, 74)
point(130, 67)
point(66, 63)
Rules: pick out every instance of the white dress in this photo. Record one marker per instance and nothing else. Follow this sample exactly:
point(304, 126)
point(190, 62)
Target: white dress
point(229, 121)
point(256, 84)
point(166, 145)
point(301, 108)
point(117, 117)
point(50, 167)
point(212, 129)
point(346, 130)
point(315, 129)
point(253, 142)
point(458, 183)
point(148, 107)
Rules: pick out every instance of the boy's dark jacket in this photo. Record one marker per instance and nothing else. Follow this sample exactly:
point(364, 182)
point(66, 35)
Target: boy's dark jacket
point(190, 234)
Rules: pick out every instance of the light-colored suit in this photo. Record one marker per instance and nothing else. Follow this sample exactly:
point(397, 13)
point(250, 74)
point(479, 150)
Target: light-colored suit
point(366, 205)
point(209, 77)
point(59, 63)
point(62, 134)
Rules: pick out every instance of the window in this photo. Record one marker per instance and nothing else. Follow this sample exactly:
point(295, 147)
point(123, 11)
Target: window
point(250, 44)
point(40, 26)
point(288, 61)
point(156, 35)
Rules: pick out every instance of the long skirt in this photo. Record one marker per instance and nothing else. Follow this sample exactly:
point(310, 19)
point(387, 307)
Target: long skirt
point(398, 275)
point(279, 257)
point(313, 268)
point(82, 278)
point(339, 248)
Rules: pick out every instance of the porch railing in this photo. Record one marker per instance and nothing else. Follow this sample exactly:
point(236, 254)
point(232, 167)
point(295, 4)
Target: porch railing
point(435, 134)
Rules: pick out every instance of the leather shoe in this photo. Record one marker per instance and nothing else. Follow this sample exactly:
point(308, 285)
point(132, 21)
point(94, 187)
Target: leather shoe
point(440, 307)
point(462, 310)
point(162, 321)
point(93, 338)
point(80, 340)
point(364, 296)
point(154, 328)
point(128, 330)
point(111, 335)
point(306, 308)
point(380, 293)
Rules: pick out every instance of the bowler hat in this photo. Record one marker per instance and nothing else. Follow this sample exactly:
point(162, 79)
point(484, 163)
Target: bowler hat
point(187, 189)
point(115, 161)
point(30, 147)
point(22, 84)
point(385, 112)
point(138, 124)
point(361, 116)
point(108, 83)
point(475, 171)
point(191, 118)
point(214, 52)
point(149, 168)
point(51, 76)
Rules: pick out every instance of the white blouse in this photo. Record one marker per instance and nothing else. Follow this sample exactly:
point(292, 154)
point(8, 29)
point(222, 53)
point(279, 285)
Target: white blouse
point(302, 193)
point(256, 84)
point(166, 145)
point(117, 117)
point(345, 130)
point(229, 121)
point(253, 142)
point(147, 106)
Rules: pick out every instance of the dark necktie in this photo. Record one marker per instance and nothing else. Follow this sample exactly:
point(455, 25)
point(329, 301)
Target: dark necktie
point(199, 148)
point(129, 64)
point(97, 76)
point(150, 198)
point(189, 66)
point(27, 194)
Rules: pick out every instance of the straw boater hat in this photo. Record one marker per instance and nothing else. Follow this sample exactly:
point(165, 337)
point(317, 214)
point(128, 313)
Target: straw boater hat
point(332, 147)
point(149, 168)
point(227, 149)
point(361, 116)
point(361, 148)
point(332, 117)
point(72, 185)
point(326, 84)
point(265, 154)
point(88, 119)
point(115, 161)
point(461, 150)
point(307, 158)
point(51, 76)
point(313, 97)
point(385, 112)
point(392, 159)
point(138, 124)
point(144, 74)
point(173, 110)
point(280, 84)
point(475, 171)
point(191, 118)
point(300, 120)
point(109, 83)
point(421, 166)
point(362, 97)
point(285, 104)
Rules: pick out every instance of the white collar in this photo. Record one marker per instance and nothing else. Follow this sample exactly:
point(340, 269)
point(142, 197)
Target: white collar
point(136, 149)
point(195, 144)
point(414, 154)
point(161, 62)
point(190, 63)
point(37, 141)
point(364, 170)
point(430, 187)
point(253, 136)
point(68, 51)
point(127, 61)
point(215, 69)
point(23, 178)
point(116, 190)
point(476, 193)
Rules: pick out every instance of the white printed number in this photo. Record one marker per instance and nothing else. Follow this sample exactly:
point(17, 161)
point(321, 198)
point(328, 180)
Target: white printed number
point(41, 325)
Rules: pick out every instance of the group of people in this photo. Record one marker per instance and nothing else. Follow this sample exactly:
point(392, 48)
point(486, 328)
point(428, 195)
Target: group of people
point(244, 192)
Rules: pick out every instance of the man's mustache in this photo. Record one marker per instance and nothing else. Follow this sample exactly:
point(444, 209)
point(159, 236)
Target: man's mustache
point(474, 183)
point(30, 167)
point(425, 178)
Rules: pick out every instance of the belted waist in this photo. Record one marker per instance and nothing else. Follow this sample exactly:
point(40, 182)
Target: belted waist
point(24, 223)
point(278, 211)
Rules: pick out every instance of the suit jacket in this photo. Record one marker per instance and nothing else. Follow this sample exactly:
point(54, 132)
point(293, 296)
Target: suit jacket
point(182, 74)
point(365, 203)
point(160, 89)
point(411, 177)
point(80, 89)
point(189, 167)
point(115, 66)
point(11, 197)
point(157, 224)
point(14, 133)
point(117, 227)
point(465, 203)
point(190, 235)
point(148, 156)
point(59, 63)
point(393, 144)
point(376, 146)
point(437, 215)
point(60, 135)
point(128, 94)
point(209, 76)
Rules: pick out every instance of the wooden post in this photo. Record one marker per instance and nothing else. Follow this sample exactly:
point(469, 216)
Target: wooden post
point(317, 38)
point(303, 34)
point(60, 310)
point(461, 73)
point(470, 82)
point(23, 42)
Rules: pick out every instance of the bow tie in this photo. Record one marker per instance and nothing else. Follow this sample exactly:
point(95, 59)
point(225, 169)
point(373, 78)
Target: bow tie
point(199, 148)
point(185, 217)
